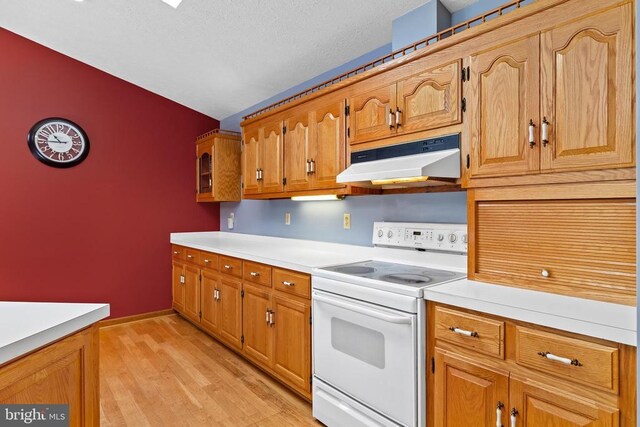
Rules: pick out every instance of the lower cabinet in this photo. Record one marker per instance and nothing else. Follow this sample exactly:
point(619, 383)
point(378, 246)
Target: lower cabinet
point(263, 312)
point(543, 377)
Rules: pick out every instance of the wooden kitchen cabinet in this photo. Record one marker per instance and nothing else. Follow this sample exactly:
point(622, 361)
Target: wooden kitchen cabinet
point(230, 310)
point(251, 159)
point(209, 296)
point(503, 98)
point(262, 158)
point(470, 388)
point(192, 292)
point(328, 145)
point(553, 102)
point(256, 324)
point(428, 100)
point(177, 285)
point(291, 329)
point(218, 166)
point(297, 146)
point(587, 92)
point(535, 405)
point(468, 394)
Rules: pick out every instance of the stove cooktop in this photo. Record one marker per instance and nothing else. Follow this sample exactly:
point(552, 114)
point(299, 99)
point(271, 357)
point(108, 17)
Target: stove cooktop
point(400, 274)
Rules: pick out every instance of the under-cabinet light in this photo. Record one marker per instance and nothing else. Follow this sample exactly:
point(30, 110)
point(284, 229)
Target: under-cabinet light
point(317, 198)
point(400, 180)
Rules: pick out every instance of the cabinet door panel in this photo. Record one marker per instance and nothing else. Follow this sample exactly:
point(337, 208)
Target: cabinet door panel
point(192, 292)
point(537, 405)
point(292, 341)
point(297, 141)
point(430, 99)
point(271, 158)
point(467, 394)
point(328, 145)
point(177, 285)
point(251, 154)
point(504, 98)
point(370, 114)
point(587, 92)
point(210, 311)
point(230, 311)
point(257, 332)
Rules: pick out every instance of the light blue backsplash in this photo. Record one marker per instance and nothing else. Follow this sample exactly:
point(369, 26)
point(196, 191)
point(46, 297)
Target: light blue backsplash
point(323, 220)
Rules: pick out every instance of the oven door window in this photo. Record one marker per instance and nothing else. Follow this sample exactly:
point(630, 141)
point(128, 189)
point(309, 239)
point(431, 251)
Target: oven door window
point(368, 352)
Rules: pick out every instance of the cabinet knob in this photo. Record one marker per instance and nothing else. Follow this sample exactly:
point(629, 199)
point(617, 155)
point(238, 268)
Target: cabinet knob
point(545, 273)
point(545, 132)
point(514, 412)
point(254, 274)
point(391, 116)
point(499, 409)
point(532, 134)
point(227, 267)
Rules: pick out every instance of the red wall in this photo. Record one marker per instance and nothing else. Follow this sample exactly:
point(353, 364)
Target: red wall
point(97, 232)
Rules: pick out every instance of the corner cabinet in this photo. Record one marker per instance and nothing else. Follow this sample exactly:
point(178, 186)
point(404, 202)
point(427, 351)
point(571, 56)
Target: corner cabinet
point(544, 377)
point(218, 167)
point(557, 101)
point(260, 311)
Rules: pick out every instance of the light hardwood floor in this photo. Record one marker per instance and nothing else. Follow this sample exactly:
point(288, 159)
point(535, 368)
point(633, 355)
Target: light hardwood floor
point(165, 372)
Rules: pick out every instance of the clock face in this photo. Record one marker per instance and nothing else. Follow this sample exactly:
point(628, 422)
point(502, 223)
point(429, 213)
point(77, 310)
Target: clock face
point(58, 142)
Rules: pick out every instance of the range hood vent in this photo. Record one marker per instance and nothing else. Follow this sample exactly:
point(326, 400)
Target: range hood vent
point(434, 161)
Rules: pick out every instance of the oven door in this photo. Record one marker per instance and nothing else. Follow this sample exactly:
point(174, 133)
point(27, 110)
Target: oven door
point(368, 352)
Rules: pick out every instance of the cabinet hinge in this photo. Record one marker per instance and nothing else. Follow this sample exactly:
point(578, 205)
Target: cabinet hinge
point(242, 293)
point(433, 365)
point(200, 313)
point(468, 161)
point(242, 146)
point(310, 380)
point(464, 105)
point(242, 184)
point(284, 130)
point(466, 74)
point(348, 132)
point(242, 339)
point(284, 181)
point(200, 277)
point(311, 320)
point(347, 110)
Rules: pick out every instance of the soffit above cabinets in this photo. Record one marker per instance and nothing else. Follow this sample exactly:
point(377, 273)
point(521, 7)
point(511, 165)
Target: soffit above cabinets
point(217, 57)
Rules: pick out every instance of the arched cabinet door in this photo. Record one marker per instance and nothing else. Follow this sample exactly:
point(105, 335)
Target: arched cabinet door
point(297, 157)
point(271, 170)
point(430, 99)
point(251, 157)
point(328, 154)
point(372, 113)
point(587, 92)
point(504, 99)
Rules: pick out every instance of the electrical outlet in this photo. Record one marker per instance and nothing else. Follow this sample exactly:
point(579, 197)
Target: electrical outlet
point(346, 223)
point(287, 218)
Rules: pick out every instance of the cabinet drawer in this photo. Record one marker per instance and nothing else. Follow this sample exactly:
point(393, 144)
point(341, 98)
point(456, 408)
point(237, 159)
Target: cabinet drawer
point(292, 282)
point(570, 358)
point(470, 331)
point(232, 266)
point(259, 274)
point(192, 255)
point(178, 252)
point(209, 260)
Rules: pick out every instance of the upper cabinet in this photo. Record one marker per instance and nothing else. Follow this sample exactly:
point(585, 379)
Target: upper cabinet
point(557, 101)
point(262, 158)
point(424, 101)
point(218, 167)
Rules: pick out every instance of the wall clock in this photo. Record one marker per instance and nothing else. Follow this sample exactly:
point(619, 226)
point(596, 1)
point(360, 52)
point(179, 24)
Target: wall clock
point(58, 142)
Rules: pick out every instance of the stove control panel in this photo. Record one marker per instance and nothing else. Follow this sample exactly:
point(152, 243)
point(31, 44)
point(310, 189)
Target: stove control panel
point(428, 236)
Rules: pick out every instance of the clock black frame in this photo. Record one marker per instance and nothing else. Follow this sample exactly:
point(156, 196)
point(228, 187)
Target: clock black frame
point(31, 142)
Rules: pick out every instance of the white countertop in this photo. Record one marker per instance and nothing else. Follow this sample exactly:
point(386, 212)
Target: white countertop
point(613, 322)
point(27, 326)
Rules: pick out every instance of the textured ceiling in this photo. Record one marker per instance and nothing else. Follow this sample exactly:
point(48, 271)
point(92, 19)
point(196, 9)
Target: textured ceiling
point(215, 56)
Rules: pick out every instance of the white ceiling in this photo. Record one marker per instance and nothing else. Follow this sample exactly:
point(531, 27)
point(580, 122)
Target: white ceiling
point(215, 56)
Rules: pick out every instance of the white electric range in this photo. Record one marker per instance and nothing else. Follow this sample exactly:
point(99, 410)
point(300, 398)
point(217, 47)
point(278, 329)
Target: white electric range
point(369, 329)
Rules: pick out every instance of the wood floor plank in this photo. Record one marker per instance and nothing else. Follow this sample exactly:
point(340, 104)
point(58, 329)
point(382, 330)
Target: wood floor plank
point(163, 371)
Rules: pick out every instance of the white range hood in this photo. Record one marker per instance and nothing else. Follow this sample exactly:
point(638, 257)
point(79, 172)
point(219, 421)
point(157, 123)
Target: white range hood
point(433, 167)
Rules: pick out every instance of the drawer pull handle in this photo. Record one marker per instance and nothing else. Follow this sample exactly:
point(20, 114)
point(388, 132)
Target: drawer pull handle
point(565, 360)
point(463, 332)
point(189, 256)
point(228, 267)
point(271, 322)
point(532, 134)
point(284, 282)
point(514, 412)
point(267, 319)
point(254, 273)
point(545, 132)
point(176, 252)
point(545, 273)
point(499, 414)
point(206, 261)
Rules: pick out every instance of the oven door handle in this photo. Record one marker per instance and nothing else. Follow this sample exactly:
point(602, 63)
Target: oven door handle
point(363, 310)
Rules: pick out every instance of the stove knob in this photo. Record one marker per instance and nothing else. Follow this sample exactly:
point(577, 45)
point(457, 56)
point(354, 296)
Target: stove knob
point(380, 233)
point(440, 237)
point(464, 238)
point(390, 234)
point(453, 238)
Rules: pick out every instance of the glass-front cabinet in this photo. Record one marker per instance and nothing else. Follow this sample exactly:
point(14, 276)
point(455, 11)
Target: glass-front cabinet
point(218, 166)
